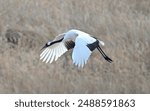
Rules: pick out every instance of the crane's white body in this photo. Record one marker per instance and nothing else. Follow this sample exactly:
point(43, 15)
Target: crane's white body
point(75, 39)
point(73, 34)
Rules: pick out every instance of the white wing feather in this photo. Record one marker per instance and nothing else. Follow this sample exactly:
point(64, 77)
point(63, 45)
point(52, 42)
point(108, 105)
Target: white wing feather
point(81, 52)
point(53, 52)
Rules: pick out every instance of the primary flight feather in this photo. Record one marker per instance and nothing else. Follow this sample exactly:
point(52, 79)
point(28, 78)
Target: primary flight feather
point(82, 44)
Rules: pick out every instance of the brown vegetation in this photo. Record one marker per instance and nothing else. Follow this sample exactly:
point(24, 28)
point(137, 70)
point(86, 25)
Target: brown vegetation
point(26, 25)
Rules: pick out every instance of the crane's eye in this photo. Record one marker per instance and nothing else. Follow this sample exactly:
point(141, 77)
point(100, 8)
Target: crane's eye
point(48, 43)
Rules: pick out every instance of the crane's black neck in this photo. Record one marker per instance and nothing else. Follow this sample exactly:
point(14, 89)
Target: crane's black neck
point(53, 42)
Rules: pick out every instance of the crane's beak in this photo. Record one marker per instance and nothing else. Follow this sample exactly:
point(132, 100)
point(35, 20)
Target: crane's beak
point(43, 47)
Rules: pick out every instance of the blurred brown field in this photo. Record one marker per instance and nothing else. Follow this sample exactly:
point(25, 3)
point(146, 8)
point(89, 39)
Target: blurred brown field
point(26, 25)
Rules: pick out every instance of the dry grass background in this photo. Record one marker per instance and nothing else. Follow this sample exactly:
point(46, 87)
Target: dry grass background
point(26, 25)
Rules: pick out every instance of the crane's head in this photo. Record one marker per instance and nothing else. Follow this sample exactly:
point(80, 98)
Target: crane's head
point(46, 45)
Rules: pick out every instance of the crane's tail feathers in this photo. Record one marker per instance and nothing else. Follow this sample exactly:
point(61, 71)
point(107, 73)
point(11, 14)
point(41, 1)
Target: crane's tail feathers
point(103, 54)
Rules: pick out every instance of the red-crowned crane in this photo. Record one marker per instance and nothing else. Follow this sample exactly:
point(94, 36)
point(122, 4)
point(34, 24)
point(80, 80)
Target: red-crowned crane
point(82, 44)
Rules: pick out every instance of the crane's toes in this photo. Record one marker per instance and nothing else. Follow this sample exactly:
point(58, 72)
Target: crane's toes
point(108, 59)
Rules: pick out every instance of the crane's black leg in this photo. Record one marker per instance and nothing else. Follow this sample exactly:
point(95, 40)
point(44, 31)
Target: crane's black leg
point(103, 54)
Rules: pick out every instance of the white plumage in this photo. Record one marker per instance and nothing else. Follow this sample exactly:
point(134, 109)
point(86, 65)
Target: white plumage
point(82, 44)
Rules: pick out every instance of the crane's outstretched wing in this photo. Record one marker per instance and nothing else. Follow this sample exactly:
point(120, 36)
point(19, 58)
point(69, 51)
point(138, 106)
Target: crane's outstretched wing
point(81, 52)
point(52, 52)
